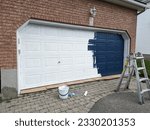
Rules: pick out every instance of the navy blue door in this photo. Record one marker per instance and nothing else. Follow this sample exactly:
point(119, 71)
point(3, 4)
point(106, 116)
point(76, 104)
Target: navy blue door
point(108, 51)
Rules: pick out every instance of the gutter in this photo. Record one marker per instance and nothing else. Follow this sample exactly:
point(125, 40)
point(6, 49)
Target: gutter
point(137, 4)
point(144, 6)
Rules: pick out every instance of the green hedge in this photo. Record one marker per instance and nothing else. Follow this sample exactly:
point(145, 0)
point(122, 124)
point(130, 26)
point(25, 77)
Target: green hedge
point(147, 64)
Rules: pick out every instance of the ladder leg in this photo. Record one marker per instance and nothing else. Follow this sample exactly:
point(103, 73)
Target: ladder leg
point(120, 80)
point(140, 96)
point(122, 75)
point(148, 87)
point(139, 87)
point(141, 100)
point(129, 79)
point(146, 76)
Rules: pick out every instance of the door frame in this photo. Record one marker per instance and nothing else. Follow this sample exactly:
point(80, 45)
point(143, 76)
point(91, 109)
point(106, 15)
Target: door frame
point(123, 33)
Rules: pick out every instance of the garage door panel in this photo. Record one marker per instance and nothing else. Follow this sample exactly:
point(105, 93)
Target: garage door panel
point(74, 53)
point(108, 51)
point(111, 56)
point(50, 69)
point(111, 65)
point(79, 74)
point(81, 47)
point(89, 60)
point(102, 68)
point(50, 47)
point(112, 49)
point(66, 47)
point(66, 61)
point(30, 38)
point(56, 54)
point(50, 39)
point(31, 47)
point(32, 71)
point(52, 61)
point(81, 60)
point(66, 76)
point(51, 78)
point(50, 54)
point(31, 54)
point(34, 80)
point(45, 30)
point(119, 58)
point(91, 72)
point(66, 68)
point(30, 63)
point(114, 68)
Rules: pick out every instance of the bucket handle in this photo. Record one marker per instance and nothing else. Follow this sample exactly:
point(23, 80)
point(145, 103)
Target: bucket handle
point(63, 94)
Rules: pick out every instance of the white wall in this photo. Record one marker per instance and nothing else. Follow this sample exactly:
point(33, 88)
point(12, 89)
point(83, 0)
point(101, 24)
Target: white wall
point(143, 33)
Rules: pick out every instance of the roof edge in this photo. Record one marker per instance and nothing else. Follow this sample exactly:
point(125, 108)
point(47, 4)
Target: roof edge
point(132, 4)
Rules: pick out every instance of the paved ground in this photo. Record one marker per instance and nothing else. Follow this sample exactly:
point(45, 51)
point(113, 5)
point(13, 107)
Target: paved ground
point(121, 103)
point(48, 101)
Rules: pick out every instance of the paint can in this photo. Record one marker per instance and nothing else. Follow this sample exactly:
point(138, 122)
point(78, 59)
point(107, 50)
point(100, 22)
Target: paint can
point(63, 92)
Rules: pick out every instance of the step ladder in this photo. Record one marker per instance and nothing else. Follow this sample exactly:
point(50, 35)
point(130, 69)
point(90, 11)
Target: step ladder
point(131, 68)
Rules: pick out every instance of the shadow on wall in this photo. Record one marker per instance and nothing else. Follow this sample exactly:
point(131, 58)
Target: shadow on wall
point(108, 52)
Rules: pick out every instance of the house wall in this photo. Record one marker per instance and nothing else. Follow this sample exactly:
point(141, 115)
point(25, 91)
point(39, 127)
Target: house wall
point(143, 33)
point(14, 13)
point(9, 78)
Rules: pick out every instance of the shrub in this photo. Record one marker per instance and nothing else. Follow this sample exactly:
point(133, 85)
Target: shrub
point(147, 64)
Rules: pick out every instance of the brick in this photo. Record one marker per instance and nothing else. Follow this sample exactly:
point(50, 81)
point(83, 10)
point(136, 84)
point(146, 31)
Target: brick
point(14, 13)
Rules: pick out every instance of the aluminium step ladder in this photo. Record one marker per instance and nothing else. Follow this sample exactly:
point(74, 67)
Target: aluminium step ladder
point(130, 68)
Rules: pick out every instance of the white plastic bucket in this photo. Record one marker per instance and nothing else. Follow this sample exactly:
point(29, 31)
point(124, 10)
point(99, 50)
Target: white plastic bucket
point(63, 92)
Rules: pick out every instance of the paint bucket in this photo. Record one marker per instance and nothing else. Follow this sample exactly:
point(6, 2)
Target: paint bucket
point(63, 92)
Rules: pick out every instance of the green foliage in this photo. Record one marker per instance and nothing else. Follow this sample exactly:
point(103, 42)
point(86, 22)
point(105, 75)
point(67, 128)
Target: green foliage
point(147, 64)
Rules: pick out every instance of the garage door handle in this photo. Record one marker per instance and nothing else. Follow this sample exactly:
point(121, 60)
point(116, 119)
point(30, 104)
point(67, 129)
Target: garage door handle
point(58, 62)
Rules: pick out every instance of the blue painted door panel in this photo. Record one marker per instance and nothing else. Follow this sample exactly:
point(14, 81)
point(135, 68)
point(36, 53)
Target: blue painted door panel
point(108, 51)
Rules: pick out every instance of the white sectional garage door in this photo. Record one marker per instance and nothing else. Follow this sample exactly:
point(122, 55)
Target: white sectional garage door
point(52, 55)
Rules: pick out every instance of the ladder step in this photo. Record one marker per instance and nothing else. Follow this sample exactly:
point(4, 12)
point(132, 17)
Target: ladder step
point(140, 68)
point(145, 90)
point(143, 79)
point(139, 58)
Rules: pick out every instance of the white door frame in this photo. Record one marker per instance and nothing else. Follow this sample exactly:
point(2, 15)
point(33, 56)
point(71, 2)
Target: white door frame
point(124, 34)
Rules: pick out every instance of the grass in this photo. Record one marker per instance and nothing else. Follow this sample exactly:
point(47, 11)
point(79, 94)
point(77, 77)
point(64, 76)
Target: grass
point(147, 64)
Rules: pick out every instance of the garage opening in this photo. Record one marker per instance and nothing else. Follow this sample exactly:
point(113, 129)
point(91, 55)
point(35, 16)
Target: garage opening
point(51, 53)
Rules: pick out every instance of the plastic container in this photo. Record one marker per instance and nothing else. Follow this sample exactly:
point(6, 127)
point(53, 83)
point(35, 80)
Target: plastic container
point(63, 92)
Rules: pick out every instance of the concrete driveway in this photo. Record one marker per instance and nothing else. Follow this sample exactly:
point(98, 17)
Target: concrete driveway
point(126, 102)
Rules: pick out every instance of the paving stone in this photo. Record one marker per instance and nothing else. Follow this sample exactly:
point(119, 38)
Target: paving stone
point(48, 101)
point(57, 111)
point(69, 111)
